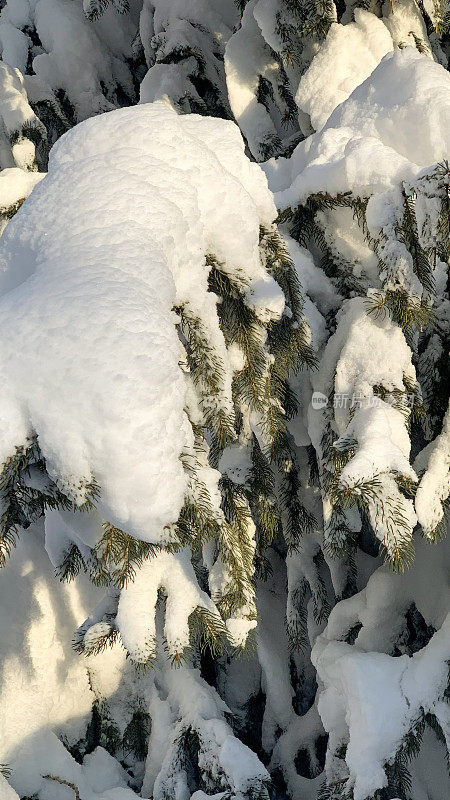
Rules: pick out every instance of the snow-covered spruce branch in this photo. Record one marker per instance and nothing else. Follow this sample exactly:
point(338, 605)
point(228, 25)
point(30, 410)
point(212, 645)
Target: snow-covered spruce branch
point(273, 513)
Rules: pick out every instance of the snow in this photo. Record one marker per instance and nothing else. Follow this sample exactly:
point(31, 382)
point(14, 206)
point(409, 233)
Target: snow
point(90, 74)
point(99, 777)
point(365, 145)
point(434, 486)
point(368, 698)
point(434, 12)
point(15, 185)
point(181, 700)
point(80, 75)
point(351, 52)
point(15, 109)
point(6, 791)
point(377, 453)
point(96, 282)
point(103, 771)
point(347, 57)
point(264, 12)
point(273, 648)
point(246, 58)
point(334, 161)
point(47, 689)
point(374, 352)
point(17, 121)
point(99, 55)
point(174, 574)
point(165, 81)
point(179, 40)
point(384, 215)
point(313, 279)
point(242, 763)
point(217, 15)
point(407, 26)
point(365, 148)
point(418, 93)
point(92, 287)
point(14, 46)
point(201, 708)
point(45, 685)
point(364, 353)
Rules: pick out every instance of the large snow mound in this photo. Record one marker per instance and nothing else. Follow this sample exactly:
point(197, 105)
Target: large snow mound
point(366, 145)
point(351, 52)
point(109, 242)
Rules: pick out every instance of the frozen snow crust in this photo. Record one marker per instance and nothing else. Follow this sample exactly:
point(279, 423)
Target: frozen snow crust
point(90, 354)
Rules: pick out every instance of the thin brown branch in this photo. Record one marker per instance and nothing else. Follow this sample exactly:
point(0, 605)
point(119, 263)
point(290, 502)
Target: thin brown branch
point(64, 783)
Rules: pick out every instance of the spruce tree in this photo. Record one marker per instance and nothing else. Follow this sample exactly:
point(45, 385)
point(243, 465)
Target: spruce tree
point(308, 555)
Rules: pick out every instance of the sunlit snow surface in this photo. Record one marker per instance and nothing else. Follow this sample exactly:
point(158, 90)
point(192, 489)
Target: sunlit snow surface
point(114, 236)
point(366, 145)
